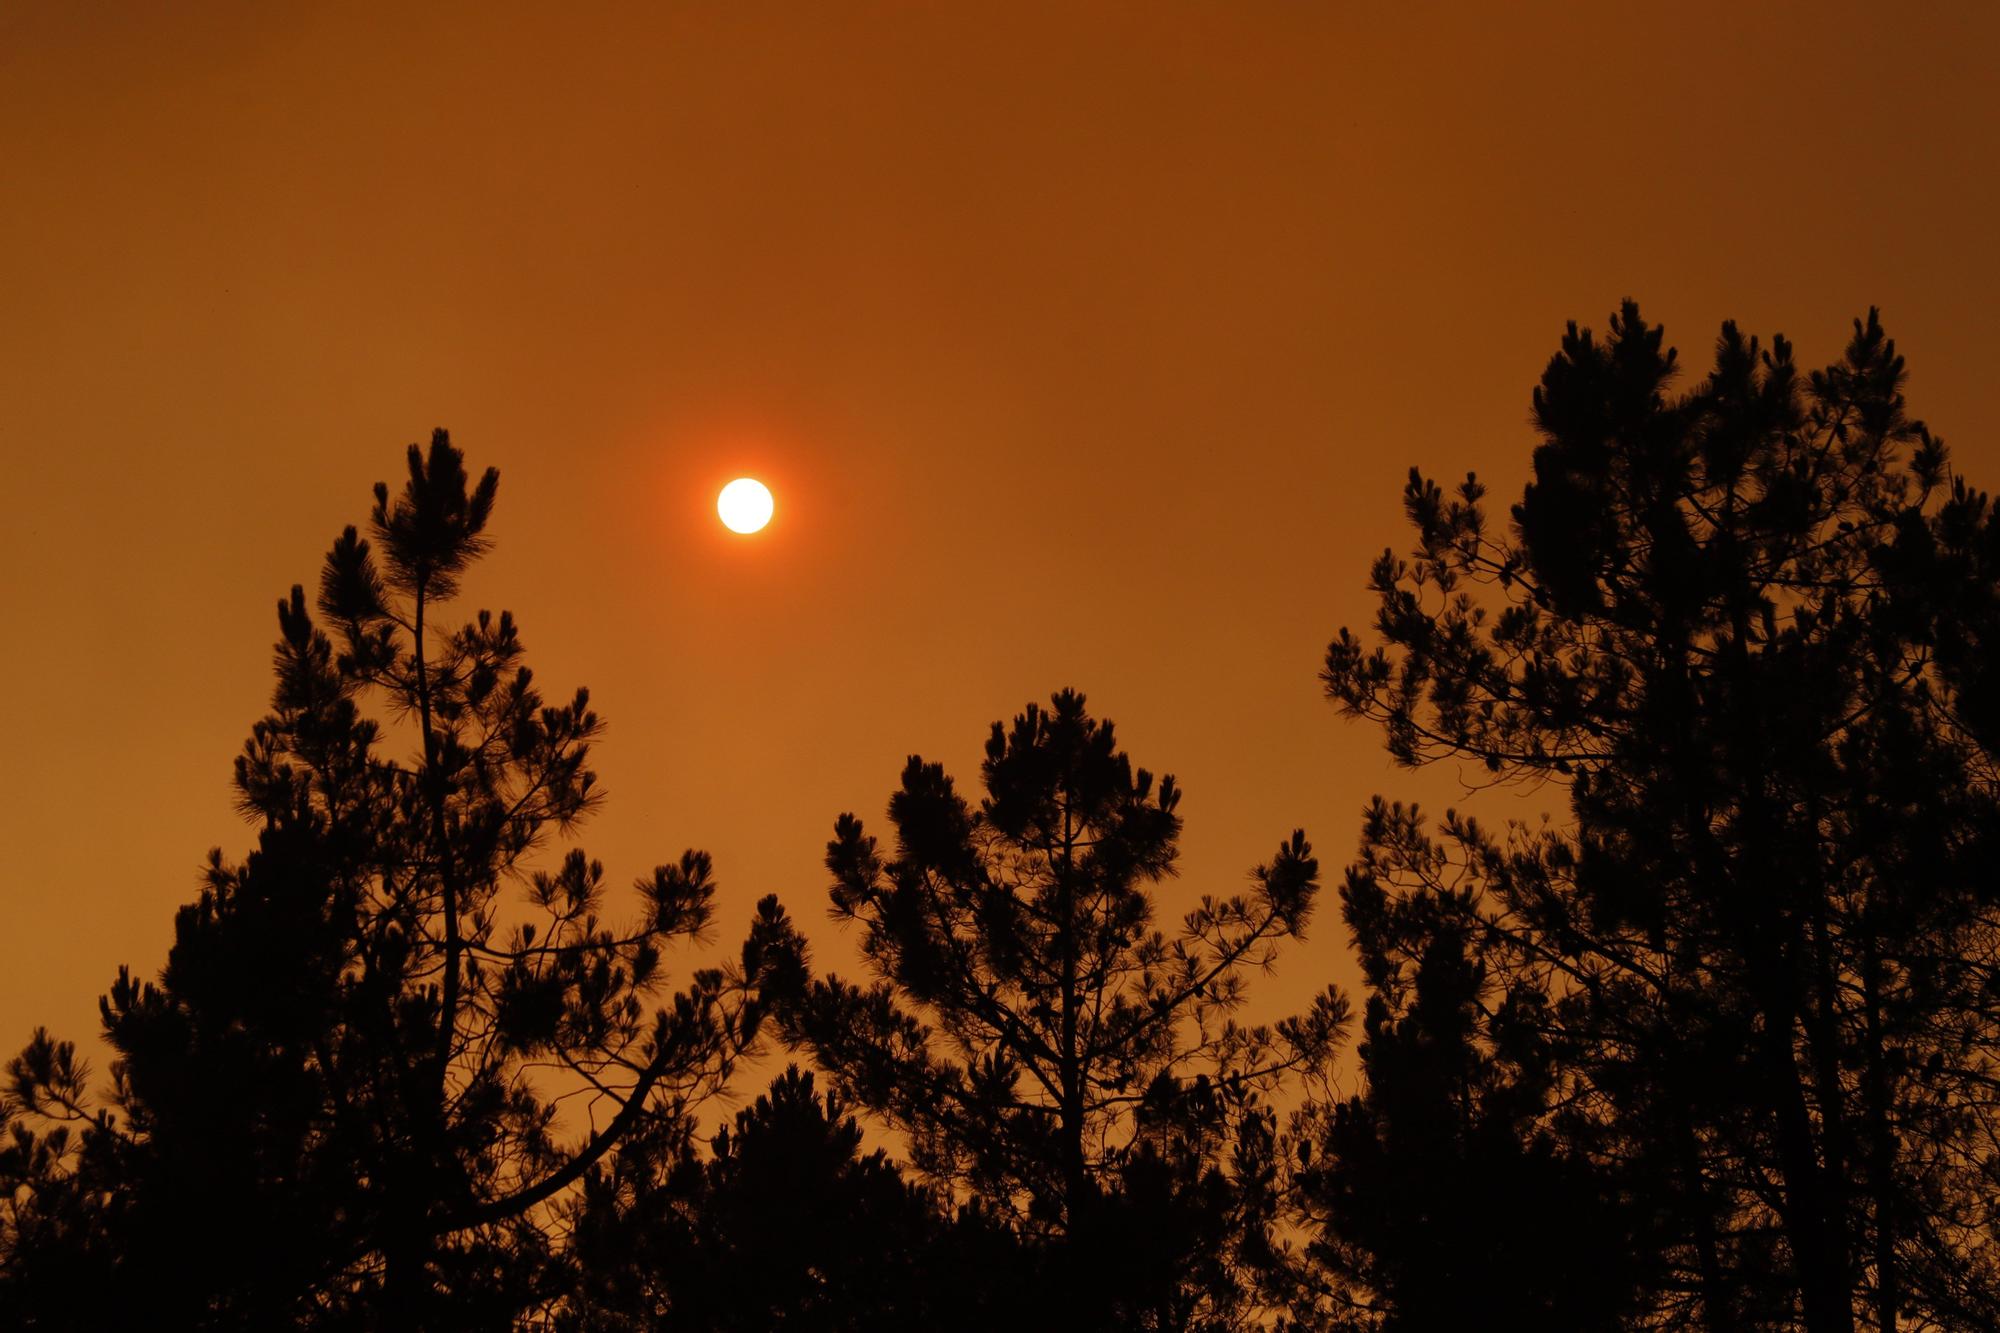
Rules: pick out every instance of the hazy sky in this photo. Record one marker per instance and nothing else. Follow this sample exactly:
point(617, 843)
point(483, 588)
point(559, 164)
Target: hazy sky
point(1082, 345)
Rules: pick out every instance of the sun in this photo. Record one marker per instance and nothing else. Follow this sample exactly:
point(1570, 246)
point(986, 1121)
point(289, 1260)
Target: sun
point(745, 505)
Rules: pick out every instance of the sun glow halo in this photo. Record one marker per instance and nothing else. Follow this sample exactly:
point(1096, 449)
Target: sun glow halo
point(745, 505)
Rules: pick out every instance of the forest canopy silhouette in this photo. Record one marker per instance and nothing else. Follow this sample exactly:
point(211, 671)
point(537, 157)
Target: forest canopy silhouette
point(1717, 1046)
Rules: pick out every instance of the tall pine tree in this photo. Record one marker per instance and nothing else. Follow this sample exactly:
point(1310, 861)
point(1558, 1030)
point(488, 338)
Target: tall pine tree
point(338, 1105)
point(1044, 1048)
point(1734, 622)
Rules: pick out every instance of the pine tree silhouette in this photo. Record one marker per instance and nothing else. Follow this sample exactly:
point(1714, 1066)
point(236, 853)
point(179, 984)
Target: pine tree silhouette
point(335, 1107)
point(1744, 626)
point(783, 1223)
point(1047, 1050)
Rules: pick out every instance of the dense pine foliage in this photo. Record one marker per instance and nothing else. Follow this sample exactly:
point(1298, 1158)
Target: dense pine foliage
point(1715, 1046)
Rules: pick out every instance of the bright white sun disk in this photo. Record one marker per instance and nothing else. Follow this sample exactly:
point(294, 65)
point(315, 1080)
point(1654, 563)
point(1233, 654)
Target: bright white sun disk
point(745, 505)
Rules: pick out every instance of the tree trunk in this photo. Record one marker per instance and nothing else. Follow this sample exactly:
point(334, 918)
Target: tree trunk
point(1881, 1149)
point(1716, 1308)
point(406, 1283)
point(1811, 1215)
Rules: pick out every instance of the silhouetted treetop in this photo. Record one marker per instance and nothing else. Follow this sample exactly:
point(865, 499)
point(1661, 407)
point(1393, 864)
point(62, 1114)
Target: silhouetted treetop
point(1739, 624)
point(785, 1222)
point(343, 1102)
point(1045, 1047)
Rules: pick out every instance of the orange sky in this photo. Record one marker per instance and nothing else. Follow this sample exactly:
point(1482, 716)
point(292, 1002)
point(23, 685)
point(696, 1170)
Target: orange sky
point(1082, 344)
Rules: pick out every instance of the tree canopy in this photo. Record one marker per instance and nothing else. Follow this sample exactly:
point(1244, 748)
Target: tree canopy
point(1046, 1048)
point(338, 1103)
point(1715, 1044)
point(1753, 972)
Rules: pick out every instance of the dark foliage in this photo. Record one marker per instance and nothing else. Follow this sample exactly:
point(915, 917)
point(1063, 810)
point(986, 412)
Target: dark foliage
point(1719, 1049)
point(1455, 1192)
point(1044, 1048)
point(336, 1106)
point(1744, 1003)
point(784, 1223)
